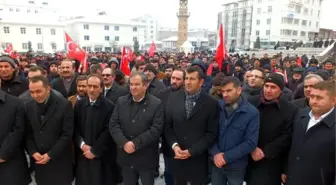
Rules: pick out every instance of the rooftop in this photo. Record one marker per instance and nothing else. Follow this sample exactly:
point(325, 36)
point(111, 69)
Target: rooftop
point(105, 19)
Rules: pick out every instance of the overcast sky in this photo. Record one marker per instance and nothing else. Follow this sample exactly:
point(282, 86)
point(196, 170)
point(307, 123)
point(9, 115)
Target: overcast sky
point(203, 14)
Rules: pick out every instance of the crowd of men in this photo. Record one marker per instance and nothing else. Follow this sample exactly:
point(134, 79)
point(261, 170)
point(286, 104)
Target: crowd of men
point(262, 121)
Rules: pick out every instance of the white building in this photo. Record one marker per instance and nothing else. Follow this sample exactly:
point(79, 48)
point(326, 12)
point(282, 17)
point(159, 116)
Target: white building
point(283, 21)
point(170, 43)
point(104, 33)
point(237, 18)
point(151, 29)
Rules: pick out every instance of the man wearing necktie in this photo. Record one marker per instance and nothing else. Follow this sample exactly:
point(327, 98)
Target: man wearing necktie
point(96, 151)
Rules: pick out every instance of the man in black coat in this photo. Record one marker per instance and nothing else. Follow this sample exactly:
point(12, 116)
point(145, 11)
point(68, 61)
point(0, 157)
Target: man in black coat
point(112, 90)
point(66, 84)
point(276, 121)
point(13, 163)
point(312, 157)
point(155, 86)
point(96, 151)
point(191, 126)
point(136, 126)
point(176, 84)
point(50, 124)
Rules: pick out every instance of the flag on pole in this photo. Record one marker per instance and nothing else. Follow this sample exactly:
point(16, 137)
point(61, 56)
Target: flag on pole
point(152, 49)
point(221, 52)
point(10, 51)
point(124, 63)
point(74, 52)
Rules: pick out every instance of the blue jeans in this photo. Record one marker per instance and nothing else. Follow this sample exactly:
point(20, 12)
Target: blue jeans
point(222, 176)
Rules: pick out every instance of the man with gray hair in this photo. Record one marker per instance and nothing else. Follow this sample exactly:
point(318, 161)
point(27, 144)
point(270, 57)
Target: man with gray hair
point(136, 126)
point(309, 81)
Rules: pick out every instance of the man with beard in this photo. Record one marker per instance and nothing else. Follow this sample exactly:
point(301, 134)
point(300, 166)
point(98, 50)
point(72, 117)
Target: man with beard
point(81, 83)
point(312, 157)
point(168, 73)
point(176, 81)
point(95, 148)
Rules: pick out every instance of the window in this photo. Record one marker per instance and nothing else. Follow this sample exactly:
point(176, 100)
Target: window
point(304, 23)
point(6, 29)
point(317, 24)
point(116, 38)
point(17, 10)
point(258, 22)
point(286, 32)
point(318, 13)
point(31, 2)
point(296, 21)
point(311, 12)
point(298, 9)
point(135, 38)
point(257, 33)
point(303, 34)
point(259, 1)
point(36, 11)
point(10, 9)
point(307, 1)
point(236, 5)
point(38, 31)
point(309, 23)
point(259, 11)
point(53, 31)
point(269, 21)
point(28, 11)
point(39, 46)
point(116, 28)
point(23, 30)
point(53, 46)
point(107, 38)
point(135, 29)
point(151, 31)
point(305, 11)
point(45, 3)
point(269, 9)
point(86, 37)
point(24, 45)
point(295, 33)
point(86, 26)
point(268, 32)
point(106, 27)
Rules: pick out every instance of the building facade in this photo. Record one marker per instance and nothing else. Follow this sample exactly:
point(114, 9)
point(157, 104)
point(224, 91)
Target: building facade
point(237, 21)
point(285, 21)
point(103, 33)
point(151, 27)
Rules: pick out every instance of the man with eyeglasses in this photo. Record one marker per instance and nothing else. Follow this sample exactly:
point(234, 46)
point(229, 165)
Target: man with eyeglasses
point(112, 91)
point(254, 83)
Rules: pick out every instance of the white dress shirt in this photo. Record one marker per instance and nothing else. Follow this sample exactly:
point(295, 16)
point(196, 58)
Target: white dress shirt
point(314, 121)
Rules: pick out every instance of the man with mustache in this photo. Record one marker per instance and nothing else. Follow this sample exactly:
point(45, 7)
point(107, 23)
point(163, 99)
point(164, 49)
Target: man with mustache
point(66, 85)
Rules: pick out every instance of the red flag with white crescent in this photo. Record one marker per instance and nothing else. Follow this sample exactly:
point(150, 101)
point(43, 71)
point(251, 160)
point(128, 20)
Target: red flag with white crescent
point(74, 52)
point(221, 52)
point(152, 49)
point(124, 63)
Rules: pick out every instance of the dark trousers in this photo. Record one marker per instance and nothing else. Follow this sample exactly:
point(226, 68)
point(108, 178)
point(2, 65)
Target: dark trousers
point(131, 176)
point(185, 182)
point(168, 176)
point(222, 176)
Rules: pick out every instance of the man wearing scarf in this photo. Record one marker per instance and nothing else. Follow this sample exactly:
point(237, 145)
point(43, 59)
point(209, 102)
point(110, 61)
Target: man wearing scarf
point(276, 119)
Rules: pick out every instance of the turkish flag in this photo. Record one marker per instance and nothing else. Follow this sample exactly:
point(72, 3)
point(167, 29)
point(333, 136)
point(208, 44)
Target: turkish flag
point(130, 54)
point(74, 52)
point(10, 51)
point(124, 63)
point(221, 52)
point(152, 49)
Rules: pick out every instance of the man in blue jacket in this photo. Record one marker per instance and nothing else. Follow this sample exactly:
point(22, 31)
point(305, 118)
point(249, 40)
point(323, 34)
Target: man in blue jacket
point(237, 137)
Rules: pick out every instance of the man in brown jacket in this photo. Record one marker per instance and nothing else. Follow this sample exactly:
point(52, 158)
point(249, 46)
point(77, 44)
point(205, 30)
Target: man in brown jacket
point(81, 82)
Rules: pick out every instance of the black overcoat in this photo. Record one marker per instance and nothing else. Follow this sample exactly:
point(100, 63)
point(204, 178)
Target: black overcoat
point(15, 170)
point(196, 134)
point(52, 135)
point(312, 157)
point(91, 127)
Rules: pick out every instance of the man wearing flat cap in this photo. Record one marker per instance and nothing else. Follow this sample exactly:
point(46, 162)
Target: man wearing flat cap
point(11, 83)
point(276, 118)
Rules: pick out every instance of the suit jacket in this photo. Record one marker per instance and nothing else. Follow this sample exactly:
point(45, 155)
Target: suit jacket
point(156, 87)
point(195, 134)
point(53, 135)
point(14, 171)
point(59, 86)
point(312, 157)
point(116, 92)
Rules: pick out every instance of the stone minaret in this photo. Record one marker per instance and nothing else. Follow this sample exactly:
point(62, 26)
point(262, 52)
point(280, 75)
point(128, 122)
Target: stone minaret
point(183, 16)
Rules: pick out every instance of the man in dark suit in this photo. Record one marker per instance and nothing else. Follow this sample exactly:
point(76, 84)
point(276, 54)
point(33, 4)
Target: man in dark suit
point(66, 84)
point(49, 134)
point(312, 157)
point(13, 163)
point(96, 151)
point(111, 90)
point(136, 126)
point(155, 86)
point(191, 126)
